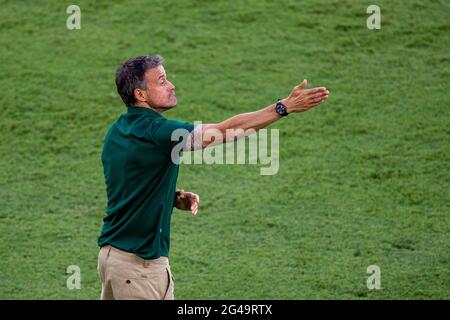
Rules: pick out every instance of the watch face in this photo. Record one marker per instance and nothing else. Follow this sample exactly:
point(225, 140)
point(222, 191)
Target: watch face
point(281, 109)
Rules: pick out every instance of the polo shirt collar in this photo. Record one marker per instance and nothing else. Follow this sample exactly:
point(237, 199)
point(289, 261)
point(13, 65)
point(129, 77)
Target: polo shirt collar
point(142, 110)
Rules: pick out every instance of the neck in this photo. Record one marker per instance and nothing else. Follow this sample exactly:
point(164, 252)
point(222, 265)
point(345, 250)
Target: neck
point(146, 105)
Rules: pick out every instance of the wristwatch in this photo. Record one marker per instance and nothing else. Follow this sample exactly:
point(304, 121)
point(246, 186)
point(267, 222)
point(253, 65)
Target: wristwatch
point(281, 109)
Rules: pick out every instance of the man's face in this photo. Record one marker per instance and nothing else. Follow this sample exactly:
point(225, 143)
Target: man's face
point(160, 91)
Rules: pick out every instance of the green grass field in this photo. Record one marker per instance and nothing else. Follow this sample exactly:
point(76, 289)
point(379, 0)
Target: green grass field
point(364, 178)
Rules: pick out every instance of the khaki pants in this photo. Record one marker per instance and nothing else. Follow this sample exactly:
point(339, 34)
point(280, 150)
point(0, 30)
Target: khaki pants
point(124, 275)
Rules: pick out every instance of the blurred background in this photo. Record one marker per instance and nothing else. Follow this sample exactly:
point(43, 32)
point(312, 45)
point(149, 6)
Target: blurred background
point(363, 180)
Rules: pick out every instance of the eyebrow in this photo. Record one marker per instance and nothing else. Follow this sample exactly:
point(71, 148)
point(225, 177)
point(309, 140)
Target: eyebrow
point(161, 76)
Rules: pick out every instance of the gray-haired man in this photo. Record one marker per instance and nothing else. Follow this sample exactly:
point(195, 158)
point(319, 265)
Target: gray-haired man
point(141, 176)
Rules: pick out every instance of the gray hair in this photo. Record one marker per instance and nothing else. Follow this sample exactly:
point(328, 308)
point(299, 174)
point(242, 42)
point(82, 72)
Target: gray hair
point(130, 76)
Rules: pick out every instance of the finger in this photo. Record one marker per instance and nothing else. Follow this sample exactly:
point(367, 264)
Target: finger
point(316, 90)
point(191, 195)
point(194, 197)
point(315, 100)
point(317, 95)
point(320, 99)
point(315, 104)
point(302, 85)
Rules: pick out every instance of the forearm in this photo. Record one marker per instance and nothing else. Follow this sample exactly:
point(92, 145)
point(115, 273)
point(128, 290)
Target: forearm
point(244, 124)
point(251, 120)
point(233, 128)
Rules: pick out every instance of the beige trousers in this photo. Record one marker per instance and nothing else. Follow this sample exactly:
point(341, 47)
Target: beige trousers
point(124, 275)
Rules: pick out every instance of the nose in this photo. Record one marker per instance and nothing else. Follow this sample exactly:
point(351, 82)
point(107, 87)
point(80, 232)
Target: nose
point(171, 86)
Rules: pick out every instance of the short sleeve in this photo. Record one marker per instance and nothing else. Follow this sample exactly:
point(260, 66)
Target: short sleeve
point(171, 132)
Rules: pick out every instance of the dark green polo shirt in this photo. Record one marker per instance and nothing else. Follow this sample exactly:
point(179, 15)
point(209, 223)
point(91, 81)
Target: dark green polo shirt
point(140, 182)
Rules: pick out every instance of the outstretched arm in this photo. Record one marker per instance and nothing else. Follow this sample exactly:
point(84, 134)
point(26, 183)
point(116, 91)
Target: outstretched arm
point(299, 100)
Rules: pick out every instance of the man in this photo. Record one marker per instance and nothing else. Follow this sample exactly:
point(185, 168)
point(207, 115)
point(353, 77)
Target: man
point(141, 176)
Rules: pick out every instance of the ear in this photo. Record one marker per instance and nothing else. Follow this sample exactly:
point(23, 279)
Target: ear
point(140, 95)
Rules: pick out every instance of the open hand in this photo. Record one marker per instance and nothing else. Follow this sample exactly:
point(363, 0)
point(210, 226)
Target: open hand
point(302, 99)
